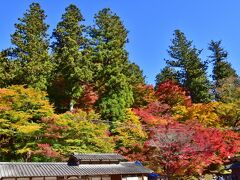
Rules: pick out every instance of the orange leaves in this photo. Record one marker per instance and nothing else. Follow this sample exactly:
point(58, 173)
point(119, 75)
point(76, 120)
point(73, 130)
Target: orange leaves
point(169, 92)
point(51, 129)
point(143, 95)
point(46, 149)
point(206, 114)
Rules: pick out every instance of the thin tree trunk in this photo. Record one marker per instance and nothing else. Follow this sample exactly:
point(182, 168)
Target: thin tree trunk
point(71, 106)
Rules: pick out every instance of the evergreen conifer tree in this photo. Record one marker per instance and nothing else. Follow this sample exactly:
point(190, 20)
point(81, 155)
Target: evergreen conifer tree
point(191, 71)
point(167, 73)
point(8, 70)
point(69, 48)
point(30, 49)
point(111, 61)
point(135, 74)
point(221, 68)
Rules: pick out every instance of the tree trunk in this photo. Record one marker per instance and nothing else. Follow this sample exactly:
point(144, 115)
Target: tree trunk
point(71, 106)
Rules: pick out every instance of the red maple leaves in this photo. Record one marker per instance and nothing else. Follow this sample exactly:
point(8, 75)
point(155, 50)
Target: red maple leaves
point(169, 92)
point(189, 148)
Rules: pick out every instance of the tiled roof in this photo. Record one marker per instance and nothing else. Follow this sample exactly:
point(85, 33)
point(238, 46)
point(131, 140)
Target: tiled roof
point(109, 156)
point(233, 166)
point(10, 169)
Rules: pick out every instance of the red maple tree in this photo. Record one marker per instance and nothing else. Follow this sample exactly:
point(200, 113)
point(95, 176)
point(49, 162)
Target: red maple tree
point(88, 99)
point(177, 149)
point(169, 92)
point(154, 113)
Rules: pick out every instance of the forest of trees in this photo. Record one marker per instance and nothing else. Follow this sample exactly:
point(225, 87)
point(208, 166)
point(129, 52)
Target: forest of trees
point(75, 90)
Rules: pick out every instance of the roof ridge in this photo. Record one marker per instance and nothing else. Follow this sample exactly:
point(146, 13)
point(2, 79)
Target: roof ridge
point(97, 154)
point(33, 162)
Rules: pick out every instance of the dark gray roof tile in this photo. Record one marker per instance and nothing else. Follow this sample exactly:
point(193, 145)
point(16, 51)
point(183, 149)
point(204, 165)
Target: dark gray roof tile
point(10, 169)
point(106, 156)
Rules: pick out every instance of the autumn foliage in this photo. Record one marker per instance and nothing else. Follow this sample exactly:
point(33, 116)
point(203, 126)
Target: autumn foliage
point(169, 92)
point(189, 148)
point(183, 138)
point(154, 113)
point(82, 94)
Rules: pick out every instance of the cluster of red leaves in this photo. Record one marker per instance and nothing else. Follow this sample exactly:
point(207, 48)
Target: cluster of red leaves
point(189, 148)
point(59, 92)
point(46, 150)
point(169, 92)
point(154, 113)
point(181, 148)
point(52, 129)
point(88, 99)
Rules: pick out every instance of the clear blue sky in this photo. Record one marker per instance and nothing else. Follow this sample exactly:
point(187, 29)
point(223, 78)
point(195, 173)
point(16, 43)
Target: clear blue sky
point(150, 23)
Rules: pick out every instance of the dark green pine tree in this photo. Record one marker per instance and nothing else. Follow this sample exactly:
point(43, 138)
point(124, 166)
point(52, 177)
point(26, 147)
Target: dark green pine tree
point(221, 68)
point(135, 74)
point(137, 80)
point(111, 61)
point(30, 49)
point(8, 70)
point(191, 72)
point(71, 56)
point(167, 73)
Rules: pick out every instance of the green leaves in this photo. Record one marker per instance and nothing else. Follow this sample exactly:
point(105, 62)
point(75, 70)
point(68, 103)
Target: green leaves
point(191, 72)
point(222, 70)
point(167, 73)
point(89, 73)
point(109, 37)
point(30, 49)
point(84, 132)
point(72, 66)
point(9, 70)
point(21, 111)
point(29, 130)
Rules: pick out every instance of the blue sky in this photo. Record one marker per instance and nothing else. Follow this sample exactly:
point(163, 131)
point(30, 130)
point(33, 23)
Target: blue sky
point(150, 23)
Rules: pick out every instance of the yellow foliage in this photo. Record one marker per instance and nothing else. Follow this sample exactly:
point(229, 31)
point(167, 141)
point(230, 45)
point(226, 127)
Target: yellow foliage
point(21, 112)
point(179, 111)
point(129, 132)
point(24, 150)
point(29, 128)
point(85, 132)
point(205, 114)
point(229, 114)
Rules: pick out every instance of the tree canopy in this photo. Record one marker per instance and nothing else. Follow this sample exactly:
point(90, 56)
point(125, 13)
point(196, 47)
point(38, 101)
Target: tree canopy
point(30, 50)
point(81, 93)
point(191, 71)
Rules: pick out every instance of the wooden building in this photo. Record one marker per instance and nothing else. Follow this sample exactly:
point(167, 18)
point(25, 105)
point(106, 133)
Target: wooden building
point(79, 166)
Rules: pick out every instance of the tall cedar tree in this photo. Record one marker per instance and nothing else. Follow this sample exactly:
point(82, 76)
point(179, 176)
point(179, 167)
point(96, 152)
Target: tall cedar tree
point(166, 74)
point(72, 65)
point(30, 49)
point(191, 72)
point(8, 70)
point(111, 61)
point(137, 81)
point(135, 74)
point(221, 68)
